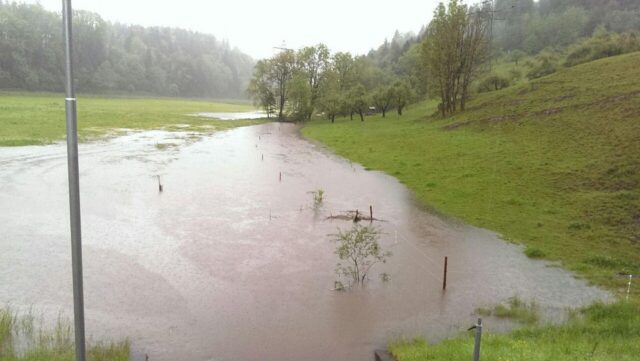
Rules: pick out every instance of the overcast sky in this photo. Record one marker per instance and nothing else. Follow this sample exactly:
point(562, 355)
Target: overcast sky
point(257, 26)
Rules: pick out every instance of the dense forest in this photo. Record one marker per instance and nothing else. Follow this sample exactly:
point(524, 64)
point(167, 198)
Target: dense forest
point(465, 49)
point(530, 26)
point(116, 58)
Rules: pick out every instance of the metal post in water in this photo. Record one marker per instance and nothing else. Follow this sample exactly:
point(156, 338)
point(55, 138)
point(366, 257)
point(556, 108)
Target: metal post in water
point(476, 347)
point(444, 278)
point(74, 187)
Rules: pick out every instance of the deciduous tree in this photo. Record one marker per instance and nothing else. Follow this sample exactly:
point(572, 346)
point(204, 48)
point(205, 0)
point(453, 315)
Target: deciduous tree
point(455, 45)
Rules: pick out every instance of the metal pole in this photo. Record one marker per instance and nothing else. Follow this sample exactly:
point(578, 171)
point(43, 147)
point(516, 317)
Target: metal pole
point(74, 188)
point(444, 278)
point(476, 348)
point(629, 287)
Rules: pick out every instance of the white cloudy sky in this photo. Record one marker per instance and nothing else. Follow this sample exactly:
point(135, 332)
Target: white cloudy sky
point(257, 26)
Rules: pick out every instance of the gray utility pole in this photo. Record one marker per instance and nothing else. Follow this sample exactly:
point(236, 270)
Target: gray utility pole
point(476, 347)
point(74, 187)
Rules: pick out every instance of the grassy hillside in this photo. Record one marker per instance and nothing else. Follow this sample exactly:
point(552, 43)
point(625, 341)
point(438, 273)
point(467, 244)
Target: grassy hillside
point(553, 164)
point(39, 118)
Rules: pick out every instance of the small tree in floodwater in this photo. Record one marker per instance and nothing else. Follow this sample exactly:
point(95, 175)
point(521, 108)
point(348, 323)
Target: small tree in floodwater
point(318, 198)
point(358, 250)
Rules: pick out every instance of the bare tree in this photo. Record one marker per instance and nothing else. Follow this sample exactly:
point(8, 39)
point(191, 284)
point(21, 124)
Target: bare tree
point(475, 49)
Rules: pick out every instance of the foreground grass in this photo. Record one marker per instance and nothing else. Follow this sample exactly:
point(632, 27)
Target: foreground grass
point(553, 164)
point(39, 118)
point(22, 339)
point(604, 333)
point(516, 309)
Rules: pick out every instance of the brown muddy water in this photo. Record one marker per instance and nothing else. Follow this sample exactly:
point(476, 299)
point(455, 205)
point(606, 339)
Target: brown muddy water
point(229, 263)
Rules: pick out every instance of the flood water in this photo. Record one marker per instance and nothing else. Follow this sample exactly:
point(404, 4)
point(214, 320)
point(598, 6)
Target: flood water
point(232, 263)
point(232, 115)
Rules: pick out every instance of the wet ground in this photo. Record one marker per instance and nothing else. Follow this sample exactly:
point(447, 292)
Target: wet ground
point(232, 263)
point(232, 115)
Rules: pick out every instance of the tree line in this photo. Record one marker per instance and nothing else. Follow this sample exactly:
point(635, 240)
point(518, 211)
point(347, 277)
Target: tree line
point(296, 84)
point(531, 26)
point(448, 59)
point(116, 58)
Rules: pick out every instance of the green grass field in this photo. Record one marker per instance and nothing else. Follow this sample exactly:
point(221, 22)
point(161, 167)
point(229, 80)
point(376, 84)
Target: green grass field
point(28, 118)
point(553, 164)
point(603, 333)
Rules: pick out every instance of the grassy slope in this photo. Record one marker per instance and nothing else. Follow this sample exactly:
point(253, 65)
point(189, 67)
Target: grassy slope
point(38, 118)
point(553, 164)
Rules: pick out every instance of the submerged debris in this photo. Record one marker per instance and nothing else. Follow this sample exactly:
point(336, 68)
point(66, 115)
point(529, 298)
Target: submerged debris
point(355, 216)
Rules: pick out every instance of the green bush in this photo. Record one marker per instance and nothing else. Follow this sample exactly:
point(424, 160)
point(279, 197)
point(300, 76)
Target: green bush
point(515, 75)
point(545, 66)
point(493, 82)
point(602, 44)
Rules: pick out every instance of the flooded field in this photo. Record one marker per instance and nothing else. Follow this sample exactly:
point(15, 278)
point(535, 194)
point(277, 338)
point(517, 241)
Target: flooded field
point(231, 261)
point(232, 115)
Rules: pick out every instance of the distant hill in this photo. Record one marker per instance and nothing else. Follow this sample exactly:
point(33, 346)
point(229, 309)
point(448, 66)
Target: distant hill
point(116, 58)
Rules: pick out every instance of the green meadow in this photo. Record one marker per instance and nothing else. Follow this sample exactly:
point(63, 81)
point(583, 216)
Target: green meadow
point(39, 118)
point(552, 164)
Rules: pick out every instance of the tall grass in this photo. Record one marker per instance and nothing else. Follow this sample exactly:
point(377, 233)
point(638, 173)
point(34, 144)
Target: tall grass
point(515, 309)
point(24, 338)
